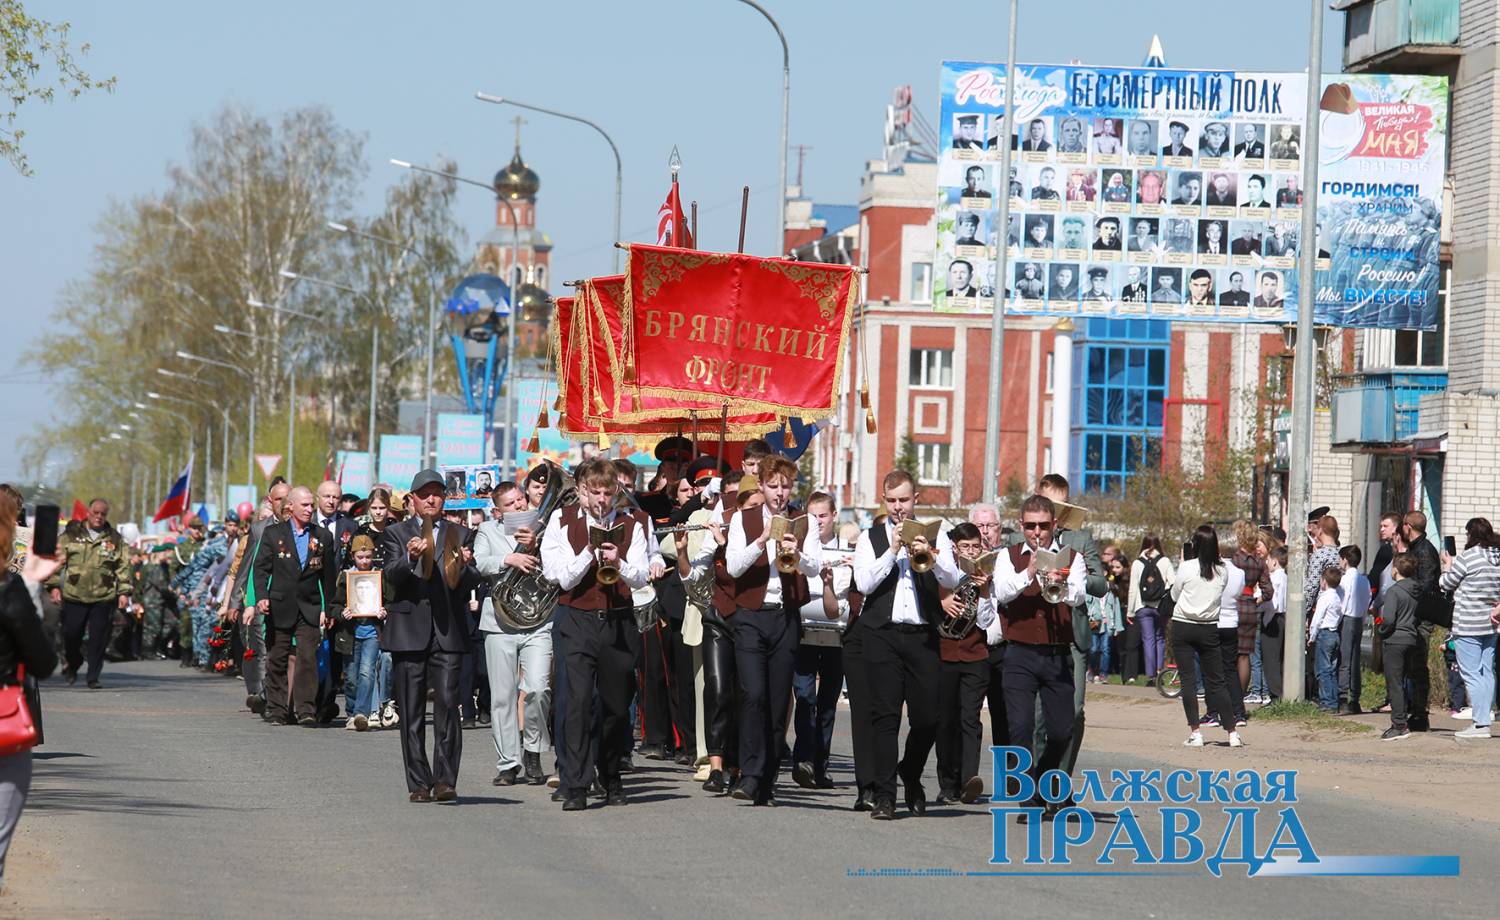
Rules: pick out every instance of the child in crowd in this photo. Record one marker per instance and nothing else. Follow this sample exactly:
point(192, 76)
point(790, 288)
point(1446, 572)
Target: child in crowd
point(1402, 642)
point(1105, 622)
point(1323, 637)
point(357, 633)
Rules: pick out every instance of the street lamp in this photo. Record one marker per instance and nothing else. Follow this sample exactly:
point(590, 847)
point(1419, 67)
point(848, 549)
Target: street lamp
point(786, 96)
point(374, 341)
point(501, 100)
point(431, 315)
point(291, 386)
point(515, 262)
point(250, 440)
point(275, 309)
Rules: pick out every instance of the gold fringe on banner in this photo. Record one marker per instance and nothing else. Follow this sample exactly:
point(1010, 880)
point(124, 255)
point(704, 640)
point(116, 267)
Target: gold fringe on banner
point(603, 437)
point(788, 440)
point(541, 419)
point(869, 421)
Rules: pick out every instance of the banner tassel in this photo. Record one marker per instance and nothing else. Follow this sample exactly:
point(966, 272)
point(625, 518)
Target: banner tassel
point(534, 445)
point(869, 421)
point(864, 394)
point(603, 438)
point(788, 439)
point(541, 419)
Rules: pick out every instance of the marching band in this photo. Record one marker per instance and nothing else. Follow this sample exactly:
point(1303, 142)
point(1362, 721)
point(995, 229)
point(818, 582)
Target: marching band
point(717, 611)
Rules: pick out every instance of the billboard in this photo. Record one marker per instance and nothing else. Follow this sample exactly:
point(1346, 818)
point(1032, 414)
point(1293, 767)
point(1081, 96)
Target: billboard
point(469, 486)
point(460, 438)
point(1176, 194)
point(354, 472)
point(400, 459)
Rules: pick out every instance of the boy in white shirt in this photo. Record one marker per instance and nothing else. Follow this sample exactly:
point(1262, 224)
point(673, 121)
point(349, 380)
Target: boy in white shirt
point(1323, 636)
point(1356, 589)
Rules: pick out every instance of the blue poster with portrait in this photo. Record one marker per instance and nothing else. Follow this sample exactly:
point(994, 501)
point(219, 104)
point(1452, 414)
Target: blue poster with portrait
point(1177, 194)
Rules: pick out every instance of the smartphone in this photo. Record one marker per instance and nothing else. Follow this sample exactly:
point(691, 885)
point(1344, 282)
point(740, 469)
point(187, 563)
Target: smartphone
point(44, 532)
point(1450, 546)
point(1188, 552)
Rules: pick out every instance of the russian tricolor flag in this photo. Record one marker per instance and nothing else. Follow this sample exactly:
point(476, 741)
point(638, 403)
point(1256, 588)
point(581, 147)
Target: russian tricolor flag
point(178, 497)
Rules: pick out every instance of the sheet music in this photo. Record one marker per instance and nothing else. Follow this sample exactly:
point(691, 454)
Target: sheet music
point(519, 520)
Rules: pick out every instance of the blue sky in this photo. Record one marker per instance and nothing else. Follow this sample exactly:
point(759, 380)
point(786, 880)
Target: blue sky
point(701, 74)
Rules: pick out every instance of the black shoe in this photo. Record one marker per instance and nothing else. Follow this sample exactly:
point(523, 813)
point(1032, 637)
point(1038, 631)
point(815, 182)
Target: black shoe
point(307, 720)
point(1419, 725)
point(945, 797)
point(532, 762)
point(971, 791)
point(865, 801)
point(627, 765)
point(616, 796)
point(71, 676)
point(597, 791)
point(652, 751)
point(469, 723)
point(802, 775)
point(575, 801)
point(684, 759)
point(822, 781)
point(883, 811)
point(916, 800)
point(745, 792)
point(256, 704)
point(506, 777)
point(1354, 709)
point(716, 782)
point(558, 795)
point(1395, 734)
point(94, 685)
point(483, 718)
point(768, 800)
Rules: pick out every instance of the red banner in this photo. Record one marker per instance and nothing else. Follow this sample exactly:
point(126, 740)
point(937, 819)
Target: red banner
point(761, 335)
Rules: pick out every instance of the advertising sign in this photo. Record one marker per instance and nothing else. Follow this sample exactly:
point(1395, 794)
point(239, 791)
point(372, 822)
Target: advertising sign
point(353, 470)
point(1176, 194)
point(400, 459)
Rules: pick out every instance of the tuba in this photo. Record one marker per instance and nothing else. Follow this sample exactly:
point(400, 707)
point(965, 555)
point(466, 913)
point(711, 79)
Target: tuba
point(968, 593)
point(525, 601)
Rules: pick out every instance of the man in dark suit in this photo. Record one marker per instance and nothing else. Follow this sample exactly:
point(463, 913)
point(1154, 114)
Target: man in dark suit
point(295, 572)
point(430, 572)
point(328, 516)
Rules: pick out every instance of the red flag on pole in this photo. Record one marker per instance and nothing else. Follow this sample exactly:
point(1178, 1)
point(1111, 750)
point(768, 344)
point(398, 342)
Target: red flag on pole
point(80, 512)
point(671, 223)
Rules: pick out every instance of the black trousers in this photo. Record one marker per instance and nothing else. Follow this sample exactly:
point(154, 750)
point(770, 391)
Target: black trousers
point(304, 683)
point(1398, 666)
point(1272, 652)
point(412, 674)
point(598, 654)
point(962, 686)
point(473, 681)
point(656, 699)
point(76, 617)
point(765, 654)
point(720, 699)
point(856, 679)
point(684, 696)
point(1229, 657)
point(1040, 674)
point(903, 667)
point(995, 695)
point(1130, 651)
point(1202, 638)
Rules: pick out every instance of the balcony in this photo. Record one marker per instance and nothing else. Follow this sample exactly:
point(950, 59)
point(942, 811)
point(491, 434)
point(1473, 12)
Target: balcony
point(1400, 36)
point(1380, 408)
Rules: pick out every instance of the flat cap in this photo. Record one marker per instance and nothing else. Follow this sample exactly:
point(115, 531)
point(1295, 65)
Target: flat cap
point(427, 478)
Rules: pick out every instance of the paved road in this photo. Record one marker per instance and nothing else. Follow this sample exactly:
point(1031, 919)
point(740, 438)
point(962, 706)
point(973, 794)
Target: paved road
point(159, 797)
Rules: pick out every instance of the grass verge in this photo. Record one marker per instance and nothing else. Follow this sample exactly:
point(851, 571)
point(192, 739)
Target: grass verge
point(1308, 715)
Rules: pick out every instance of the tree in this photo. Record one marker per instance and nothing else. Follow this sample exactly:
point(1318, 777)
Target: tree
point(29, 46)
point(907, 458)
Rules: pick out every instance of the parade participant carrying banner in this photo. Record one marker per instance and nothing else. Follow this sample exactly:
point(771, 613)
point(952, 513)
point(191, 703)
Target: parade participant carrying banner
point(760, 334)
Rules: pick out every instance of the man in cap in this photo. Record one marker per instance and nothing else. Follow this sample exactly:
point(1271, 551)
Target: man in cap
point(966, 137)
point(93, 581)
point(427, 632)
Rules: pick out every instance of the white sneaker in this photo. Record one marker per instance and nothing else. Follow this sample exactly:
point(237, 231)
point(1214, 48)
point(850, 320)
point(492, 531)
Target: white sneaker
point(1465, 714)
point(349, 725)
point(389, 718)
point(1235, 740)
point(1194, 740)
point(702, 775)
point(1473, 731)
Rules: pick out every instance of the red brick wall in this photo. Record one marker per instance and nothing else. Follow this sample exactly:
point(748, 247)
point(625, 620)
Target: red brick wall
point(884, 246)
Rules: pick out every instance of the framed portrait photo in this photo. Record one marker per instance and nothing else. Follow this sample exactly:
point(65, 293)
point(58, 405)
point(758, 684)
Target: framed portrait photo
point(364, 594)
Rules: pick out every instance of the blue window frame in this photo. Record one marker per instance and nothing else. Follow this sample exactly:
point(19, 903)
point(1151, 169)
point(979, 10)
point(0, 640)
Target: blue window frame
point(1117, 417)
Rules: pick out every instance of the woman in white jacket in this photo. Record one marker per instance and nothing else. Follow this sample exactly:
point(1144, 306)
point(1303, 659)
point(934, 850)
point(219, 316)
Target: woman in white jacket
point(1151, 576)
point(1198, 595)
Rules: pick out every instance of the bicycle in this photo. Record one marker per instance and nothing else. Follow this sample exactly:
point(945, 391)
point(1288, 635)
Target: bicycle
point(1169, 678)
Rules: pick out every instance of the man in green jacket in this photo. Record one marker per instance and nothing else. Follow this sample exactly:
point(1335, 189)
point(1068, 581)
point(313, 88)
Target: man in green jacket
point(93, 582)
point(153, 600)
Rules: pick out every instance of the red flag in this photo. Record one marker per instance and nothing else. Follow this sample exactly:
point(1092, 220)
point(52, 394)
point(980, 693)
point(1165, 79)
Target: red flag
point(80, 512)
point(671, 224)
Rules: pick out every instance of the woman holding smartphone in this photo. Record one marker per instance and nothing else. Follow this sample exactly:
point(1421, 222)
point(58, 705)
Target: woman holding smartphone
point(1203, 583)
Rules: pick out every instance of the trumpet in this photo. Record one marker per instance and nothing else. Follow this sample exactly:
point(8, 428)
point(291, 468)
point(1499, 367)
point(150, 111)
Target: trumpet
point(922, 560)
point(1048, 562)
point(605, 573)
point(786, 562)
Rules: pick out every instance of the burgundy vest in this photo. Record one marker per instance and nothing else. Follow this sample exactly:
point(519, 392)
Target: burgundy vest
point(1029, 619)
point(749, 590)
point(588, 594)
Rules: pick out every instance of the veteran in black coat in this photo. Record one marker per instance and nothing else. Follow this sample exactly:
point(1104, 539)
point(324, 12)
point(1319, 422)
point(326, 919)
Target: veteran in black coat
point(295, 572)
point(426, 631)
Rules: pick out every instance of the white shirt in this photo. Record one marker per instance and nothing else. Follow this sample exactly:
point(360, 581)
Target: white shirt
point(1278, 588)
point(491, 545)
point(1356, 588)
point(740, 553)
point(843, 578)
point(1229, 601)
point(1326, 614)
point(1009, 582)
point(566, 566)
point(870, 571)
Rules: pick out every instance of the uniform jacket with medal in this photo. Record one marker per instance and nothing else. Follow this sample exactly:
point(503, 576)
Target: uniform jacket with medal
point(296, 591)
point(94, 569)
point(431, 611)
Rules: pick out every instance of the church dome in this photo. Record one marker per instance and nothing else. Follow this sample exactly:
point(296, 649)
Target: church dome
point(517, 181)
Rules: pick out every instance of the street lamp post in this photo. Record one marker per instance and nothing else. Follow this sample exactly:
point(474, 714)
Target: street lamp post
point(786, 98)
point(291, 387)
point(501, 100)
point(515, 261)
point(249, 441)
point(374, 342)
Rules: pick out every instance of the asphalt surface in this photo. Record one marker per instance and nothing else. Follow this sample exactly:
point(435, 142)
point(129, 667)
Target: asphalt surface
point(161, 797)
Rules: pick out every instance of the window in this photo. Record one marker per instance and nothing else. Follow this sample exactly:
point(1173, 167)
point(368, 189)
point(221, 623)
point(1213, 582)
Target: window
point(1121, 397)
point(931, 367)
point(1386, 349)
point(921, 282)
point(932, 464)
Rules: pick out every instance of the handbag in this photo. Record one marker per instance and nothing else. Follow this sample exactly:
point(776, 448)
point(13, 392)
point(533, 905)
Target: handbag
point(17, 729)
